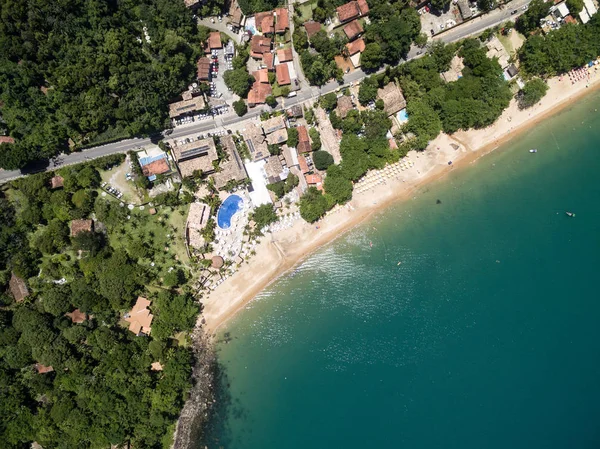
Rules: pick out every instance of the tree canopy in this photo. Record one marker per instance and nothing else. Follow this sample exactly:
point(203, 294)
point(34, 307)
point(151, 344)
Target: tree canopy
point(89, 71)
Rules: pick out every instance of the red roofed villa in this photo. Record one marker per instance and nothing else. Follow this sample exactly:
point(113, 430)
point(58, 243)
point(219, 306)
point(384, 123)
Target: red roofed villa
point(214, 40)
point(265, 22)
point(353, 29)
point(6, 139)
point(269, 61)
point(157, 167)
point(283, 74)
point(352, 10)
point(357, 46)
point(140, 318)
point(283, 21)
point(285, 55)
point(312, 28)
point(77, 316)
point(303, 140)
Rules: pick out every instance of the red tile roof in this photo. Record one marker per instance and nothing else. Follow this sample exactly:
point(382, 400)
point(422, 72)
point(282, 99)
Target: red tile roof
point(259, 45)
point(285, 55)
point(353, 29)
point(214, 40)
point(203, 66)
point(363, 6)
point(393, 144)
point(140, 318)
point(269, 60)
point(77, 316)
point(18, 288)
point(259, 93)
point(357, 46)
point(283, 74)
point(43, 369)
point(303, 140)
point(313, 179)
point(56, 182)
point(6, 139)
point(261, 76)
point(348, 11)
point(312, 28)
point(283, 20)
point(570, 19)
point(302, 163)
point(265, 22)
point(78, 226)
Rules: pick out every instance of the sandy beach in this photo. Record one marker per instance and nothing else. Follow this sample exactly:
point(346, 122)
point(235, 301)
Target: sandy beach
point(281, 251)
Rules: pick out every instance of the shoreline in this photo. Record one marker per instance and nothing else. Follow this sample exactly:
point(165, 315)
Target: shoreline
point(280, 252)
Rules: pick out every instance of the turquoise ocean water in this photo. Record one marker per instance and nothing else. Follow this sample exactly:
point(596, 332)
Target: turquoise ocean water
point(486, 336)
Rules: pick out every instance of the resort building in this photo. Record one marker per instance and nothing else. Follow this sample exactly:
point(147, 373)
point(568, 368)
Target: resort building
point(303, 140)
point(344, 106)
point(314, 180)
point(256, 142)
point(353, 30)
point(214, 41)
point(303, 164)
point(232, 169)
point(274, 169)
point(236, 15)
point(352, 10)
point(197, 218)
point(197, 155)
point(78, 226)
point(17, 287)
point(156, 167)
point(393, 100)
point(261, 88)
point(139, 317)
point(185, 107)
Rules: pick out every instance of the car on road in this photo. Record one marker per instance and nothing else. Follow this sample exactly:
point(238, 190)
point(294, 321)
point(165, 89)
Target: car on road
point(514, 11)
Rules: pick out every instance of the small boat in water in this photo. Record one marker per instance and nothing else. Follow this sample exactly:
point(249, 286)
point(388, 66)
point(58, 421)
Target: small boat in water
point(570, 214)
point(533, 150)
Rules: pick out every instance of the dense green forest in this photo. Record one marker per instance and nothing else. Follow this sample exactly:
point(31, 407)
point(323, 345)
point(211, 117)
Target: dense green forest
point(102, 389)
point(561, 50)
point(89, 71)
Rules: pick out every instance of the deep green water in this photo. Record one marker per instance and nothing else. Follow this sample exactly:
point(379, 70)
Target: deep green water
point(486, 336)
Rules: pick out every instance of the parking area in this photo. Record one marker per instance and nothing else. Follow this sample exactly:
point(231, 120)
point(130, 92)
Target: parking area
point(434, 22)
point(221, 63)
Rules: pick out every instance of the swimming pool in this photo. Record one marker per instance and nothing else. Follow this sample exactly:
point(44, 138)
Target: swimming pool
point(228, 209)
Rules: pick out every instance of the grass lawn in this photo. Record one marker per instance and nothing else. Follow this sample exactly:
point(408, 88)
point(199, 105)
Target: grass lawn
point(276, 90)
point(305, 11)
point(163, 233)
point(511, 42)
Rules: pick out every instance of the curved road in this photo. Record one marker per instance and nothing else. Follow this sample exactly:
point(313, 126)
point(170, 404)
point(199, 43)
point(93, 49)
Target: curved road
point(472, 27)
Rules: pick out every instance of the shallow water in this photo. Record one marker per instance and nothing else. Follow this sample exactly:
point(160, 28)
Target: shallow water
point(486, 334)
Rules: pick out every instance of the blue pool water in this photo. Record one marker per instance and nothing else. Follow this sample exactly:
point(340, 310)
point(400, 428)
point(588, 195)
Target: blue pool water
point(227, 210)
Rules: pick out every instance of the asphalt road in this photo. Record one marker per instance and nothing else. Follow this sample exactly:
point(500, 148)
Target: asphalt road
point(475, 26)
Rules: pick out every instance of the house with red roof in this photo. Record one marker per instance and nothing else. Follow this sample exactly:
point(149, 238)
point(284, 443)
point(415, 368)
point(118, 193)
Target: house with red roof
point(312, 28)
point(357, 46)
point(285, 55)
point(353, 30)
point(265, 22)
point(303, 140)
point(259, 45)
point(282, 20)
point(283, 74)
point(352, 10)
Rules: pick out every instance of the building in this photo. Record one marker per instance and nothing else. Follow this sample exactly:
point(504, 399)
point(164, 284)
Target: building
point(344, 106)
point(455, 70)
point(278, 137)
point(260, 45)
point(274, 169)
point(465, 9)
point(290, 156)
point(269, 61)
point(197, 218)
point(203, 69)
point(156, 366)
point(185, 107)
point(282, 20)
point(584, 16)
point(236, 15)
point(312, 28)
point(265, 22)
point(303, 140)
point(590, 7)
point(393, 100)
point(283, 74)
point(561, 10)
point(78, 226)
point(352, 10)
point(261, 75)
point(230, 49)
point(6, 139)
point(353, 30)
point(314, 179)
point(294, 112)
point(256, 142)
point(273, 124)
point(57, 182)
point(497, 50)
point(214, 40)
point(139, 317)
point(285, 55)
point(77, 316)
point(157, 167)
point(198, 155)
point(43, 369)
point(261, 88)
point(303, 164)
point(17, 287)
point(511, 71)
point(356, 46)
point(231, 169)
